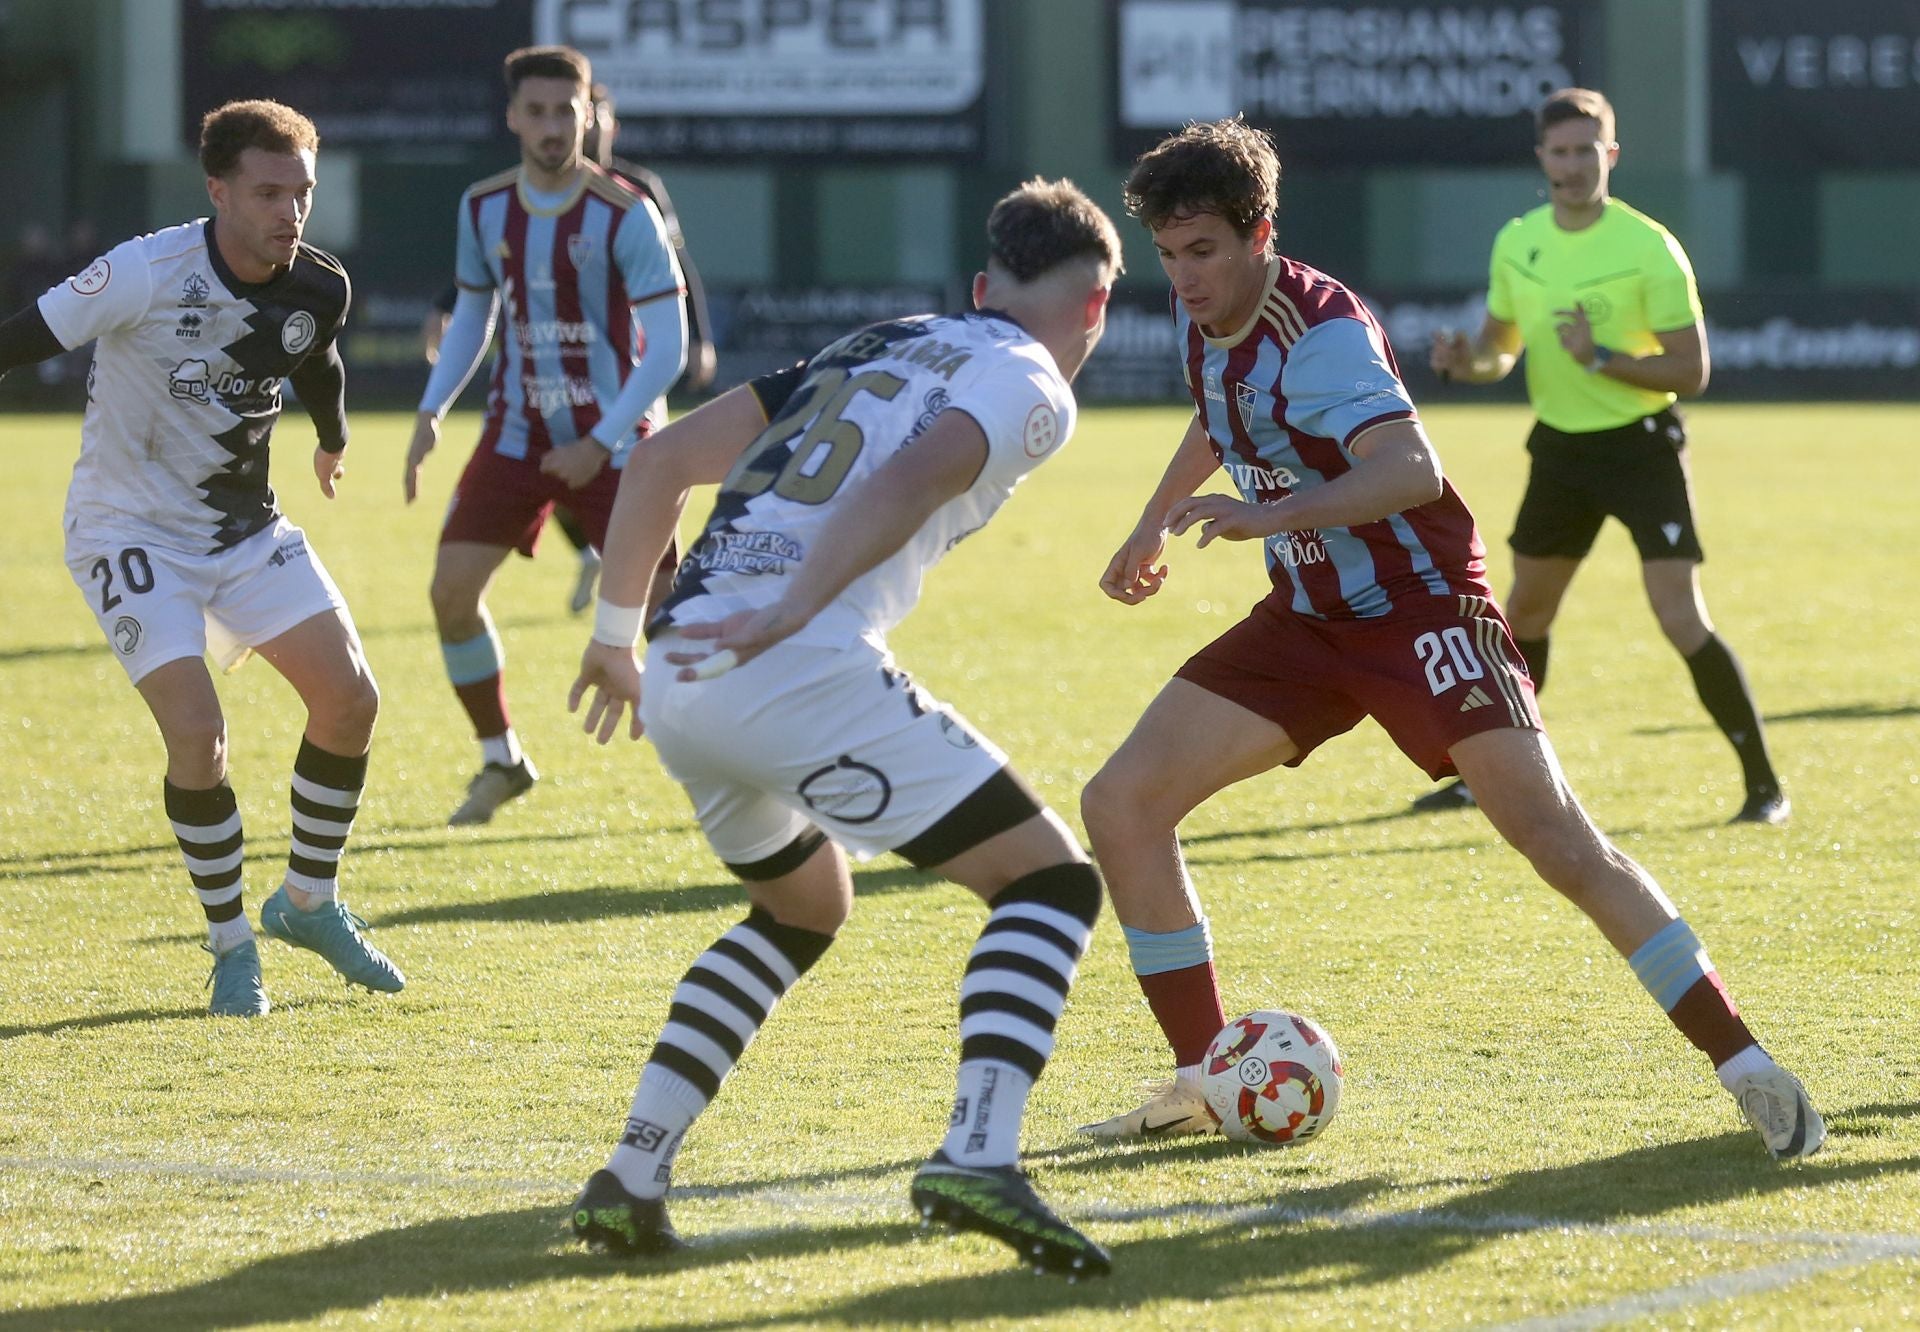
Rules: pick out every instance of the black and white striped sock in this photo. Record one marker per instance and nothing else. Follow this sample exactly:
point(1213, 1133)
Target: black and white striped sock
point(724, 999)
point(1015, 988)
point(207, 826)
point(326, 796)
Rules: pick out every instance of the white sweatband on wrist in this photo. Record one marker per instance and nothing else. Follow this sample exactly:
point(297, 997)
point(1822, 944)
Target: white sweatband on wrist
point(617, 626)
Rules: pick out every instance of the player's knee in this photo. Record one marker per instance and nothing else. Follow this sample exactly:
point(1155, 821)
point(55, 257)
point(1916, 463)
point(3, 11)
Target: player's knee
point(359, 705)
point(196, 744)
point(1113, 802)
point(456, 607)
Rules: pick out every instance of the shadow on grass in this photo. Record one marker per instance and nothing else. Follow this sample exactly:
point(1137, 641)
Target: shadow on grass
point(1306, 1240)
point(611, 901)
point(1840, 712)
point(104, 1020)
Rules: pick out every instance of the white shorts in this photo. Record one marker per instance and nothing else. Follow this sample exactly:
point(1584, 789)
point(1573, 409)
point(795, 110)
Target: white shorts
point(157, 605)
point(800, 737)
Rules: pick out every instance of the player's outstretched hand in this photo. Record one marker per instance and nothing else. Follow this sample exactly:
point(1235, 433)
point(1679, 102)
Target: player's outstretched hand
point(576, 463)
point(1134, 573)
point(1451, 356)
point(736, 640)
point(1223, 516)
point(329, 468)
point(613, 674)
point(426, 435)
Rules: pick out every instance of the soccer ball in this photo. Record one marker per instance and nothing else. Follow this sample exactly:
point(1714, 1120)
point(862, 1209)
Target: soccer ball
point(1271, 1077)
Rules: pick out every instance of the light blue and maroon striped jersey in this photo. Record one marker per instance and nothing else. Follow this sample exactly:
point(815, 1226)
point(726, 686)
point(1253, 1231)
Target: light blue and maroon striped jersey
point(568, 276)
point(1282, 400)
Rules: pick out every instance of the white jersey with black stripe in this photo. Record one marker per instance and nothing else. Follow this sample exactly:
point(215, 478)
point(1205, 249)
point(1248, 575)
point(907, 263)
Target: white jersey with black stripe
point(185, 384)
point(860, 402)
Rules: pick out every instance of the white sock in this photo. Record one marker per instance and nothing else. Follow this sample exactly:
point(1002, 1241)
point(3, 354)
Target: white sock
point(227, 935)
point(1750, 1060)
point(987, 1108)
point(503, 749)
point(664, 1106)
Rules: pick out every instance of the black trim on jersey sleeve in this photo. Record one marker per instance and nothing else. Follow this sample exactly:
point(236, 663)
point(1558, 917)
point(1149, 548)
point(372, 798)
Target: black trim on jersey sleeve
point(25, 339)
point(776, 387)
point(321, 382)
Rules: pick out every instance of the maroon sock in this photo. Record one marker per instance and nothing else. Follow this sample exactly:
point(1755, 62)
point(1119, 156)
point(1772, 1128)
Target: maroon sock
point(486, 702)
point(1186, 1004)
point(1706, 1016)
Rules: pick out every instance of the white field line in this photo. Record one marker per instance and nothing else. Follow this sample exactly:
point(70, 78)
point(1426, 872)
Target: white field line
point(1859, 1246)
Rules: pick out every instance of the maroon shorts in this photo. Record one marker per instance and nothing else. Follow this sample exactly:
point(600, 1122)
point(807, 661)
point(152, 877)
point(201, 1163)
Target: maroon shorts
point(1432, 672)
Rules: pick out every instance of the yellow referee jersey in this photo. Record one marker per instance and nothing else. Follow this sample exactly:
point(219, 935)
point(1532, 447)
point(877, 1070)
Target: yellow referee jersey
point(1631, 277)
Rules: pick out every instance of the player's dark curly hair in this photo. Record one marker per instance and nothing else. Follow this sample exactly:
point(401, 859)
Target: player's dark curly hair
point(1223, 167)
point(227, 131)
point(1046, 223)
point(1574, 104)
point(546, 62)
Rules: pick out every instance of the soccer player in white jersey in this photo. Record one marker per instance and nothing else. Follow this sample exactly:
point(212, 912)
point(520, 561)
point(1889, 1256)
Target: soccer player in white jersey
point(177, 541)
point(773, 700)
point(582, 267)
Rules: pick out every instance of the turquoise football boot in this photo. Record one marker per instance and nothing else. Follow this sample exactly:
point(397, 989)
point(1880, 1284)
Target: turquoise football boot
point(333, 932)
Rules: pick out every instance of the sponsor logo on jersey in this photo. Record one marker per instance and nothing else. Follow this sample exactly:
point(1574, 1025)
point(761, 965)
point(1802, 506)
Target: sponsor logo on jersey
point(547, 395)
point(1042, 431)
point(847, 790)
point(193, 292)
point(541, 278)
point(1210, 385)
point(746, 552)
point(1255, 479)
point(533, 333)
point(1375, 390)
point(188, 382)
point(579, 250)
point(296, 335)
point(126, 635)
point(1295, 549)
point(934, 403)
point(189, 326)
point(1597, 306)
point(93, 279)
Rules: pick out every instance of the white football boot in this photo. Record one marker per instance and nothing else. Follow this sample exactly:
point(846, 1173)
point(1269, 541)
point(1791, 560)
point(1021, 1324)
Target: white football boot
point(1174, 1107)
point(1776, 1105)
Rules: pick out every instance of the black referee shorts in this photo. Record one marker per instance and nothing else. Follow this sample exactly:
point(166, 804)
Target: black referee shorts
point(1635, 472)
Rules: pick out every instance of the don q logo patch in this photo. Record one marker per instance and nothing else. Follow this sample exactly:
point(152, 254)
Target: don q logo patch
point(296, 335)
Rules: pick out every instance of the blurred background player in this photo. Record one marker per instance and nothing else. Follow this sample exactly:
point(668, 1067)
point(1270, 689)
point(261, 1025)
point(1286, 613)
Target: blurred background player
point(1380, 607)
point(173, 531)
point(795, 733)
point(1602, 300)
point(596, 330)
point(602, 131)
point(432, 330)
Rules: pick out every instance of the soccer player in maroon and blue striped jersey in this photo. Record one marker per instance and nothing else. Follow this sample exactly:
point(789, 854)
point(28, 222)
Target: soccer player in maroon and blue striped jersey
point(1380, 607)
point(594, 332)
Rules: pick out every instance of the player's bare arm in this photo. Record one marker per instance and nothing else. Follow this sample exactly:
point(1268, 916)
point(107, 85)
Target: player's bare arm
point(1395, 469)
point(875, 519)
point(1486, 358)
point(698, 449)
point(1680, 366)
point(426, 438)
point(1135, 572)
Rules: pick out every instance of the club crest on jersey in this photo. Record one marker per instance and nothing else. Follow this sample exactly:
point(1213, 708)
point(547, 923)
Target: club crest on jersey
point(1042, 431)
point(187, 381)
point(296, 335)
point(93, 279)
point(1246, 397)
point(579, 250)
point(193, 292)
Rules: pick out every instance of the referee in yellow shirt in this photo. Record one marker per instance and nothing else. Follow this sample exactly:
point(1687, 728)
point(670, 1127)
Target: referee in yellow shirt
point(1602, 299)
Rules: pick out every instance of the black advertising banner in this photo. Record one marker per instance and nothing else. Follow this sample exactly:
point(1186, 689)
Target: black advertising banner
point(399, 74)
point(1805, 85)
point(1767, 344)
point(780, 79)
point(1391, 83)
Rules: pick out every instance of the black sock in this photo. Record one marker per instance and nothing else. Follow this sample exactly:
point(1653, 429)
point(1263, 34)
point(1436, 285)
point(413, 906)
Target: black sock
point(1722, 686)
point(1534, 652)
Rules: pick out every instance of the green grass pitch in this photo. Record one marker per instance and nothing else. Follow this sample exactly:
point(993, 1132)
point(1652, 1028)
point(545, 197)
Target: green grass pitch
point(1523, 1141)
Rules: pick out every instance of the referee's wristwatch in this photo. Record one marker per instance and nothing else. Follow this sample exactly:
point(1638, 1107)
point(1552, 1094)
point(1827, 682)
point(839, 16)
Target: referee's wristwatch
point(1601, 355)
